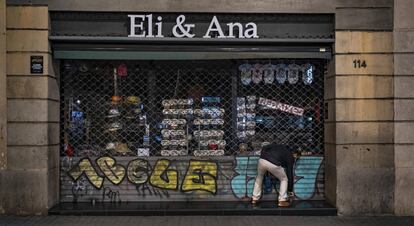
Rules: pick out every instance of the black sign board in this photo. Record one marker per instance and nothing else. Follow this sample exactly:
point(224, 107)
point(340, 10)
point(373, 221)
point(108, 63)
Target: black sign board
point(167, 25)
point(36, 64)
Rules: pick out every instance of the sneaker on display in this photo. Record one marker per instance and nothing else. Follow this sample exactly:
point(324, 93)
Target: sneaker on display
point(307, 73)
point(281, 71)
point(293, 73)
point(268, 73)
point(113, 113)
point(257, 76)
point(246, 74)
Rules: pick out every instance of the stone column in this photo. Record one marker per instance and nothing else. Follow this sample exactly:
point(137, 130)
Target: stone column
point(359, 130)
point(31, 180)
point(404, 106)
point(3, 99)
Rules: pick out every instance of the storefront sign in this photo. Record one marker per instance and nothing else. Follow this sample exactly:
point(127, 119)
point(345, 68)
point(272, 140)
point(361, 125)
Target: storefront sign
point(280, 106)
point(143, 26)
point(36, 64)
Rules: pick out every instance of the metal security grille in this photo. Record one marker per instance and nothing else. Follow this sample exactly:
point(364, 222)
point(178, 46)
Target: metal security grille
point(191, 108)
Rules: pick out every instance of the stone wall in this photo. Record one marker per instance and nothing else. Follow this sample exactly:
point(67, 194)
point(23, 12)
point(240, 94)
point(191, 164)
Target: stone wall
point(224, 6)
point(404, 106)
point(30, 181)
point(359, 130)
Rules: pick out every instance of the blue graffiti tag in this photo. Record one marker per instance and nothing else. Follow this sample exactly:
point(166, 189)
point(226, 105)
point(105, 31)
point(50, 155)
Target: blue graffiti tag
point(306, 172)
point(242, 184)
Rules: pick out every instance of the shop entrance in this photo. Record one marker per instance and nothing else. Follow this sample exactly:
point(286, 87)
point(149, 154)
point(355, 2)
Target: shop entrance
point(187, 130)
point(182, 117)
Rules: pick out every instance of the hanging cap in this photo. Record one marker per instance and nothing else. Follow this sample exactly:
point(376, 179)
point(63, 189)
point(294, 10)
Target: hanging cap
point(116, 98)
point(122, 70)
point(133, 99)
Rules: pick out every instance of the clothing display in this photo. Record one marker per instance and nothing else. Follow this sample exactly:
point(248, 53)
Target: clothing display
point(200, 108)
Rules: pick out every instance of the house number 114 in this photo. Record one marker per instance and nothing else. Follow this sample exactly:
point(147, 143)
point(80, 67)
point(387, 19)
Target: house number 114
point(360, 63)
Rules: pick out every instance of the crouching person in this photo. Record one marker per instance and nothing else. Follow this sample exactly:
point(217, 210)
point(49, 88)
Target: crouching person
point(273, 159)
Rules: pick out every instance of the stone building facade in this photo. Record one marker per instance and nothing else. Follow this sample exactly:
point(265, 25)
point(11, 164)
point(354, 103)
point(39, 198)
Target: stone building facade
point(369, 129)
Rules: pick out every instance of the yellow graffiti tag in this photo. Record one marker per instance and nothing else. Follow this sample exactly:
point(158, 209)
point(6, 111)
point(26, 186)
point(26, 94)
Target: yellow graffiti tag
point(85, 167)
point(114, 173)
point(201, 175)
point(162, 177)
point(138, 171)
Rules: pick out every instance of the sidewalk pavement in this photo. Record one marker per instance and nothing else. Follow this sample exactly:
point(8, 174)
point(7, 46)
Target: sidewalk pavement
point(205, 220)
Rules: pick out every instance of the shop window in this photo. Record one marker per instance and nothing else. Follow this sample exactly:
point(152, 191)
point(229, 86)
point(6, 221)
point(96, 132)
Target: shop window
point(191, 108)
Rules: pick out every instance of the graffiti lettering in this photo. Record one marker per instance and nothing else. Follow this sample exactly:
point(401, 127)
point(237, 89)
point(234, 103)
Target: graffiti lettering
point(246, 169)
point(306, 171)
point(113, 196)
point(114, 173)
point(163, 177)
point(67, 163)
point(143, 189)
point(85, 167)
point(79, 188)
point(201, 175)
point(138, 171)
point(225, 173)
point(219, 177)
